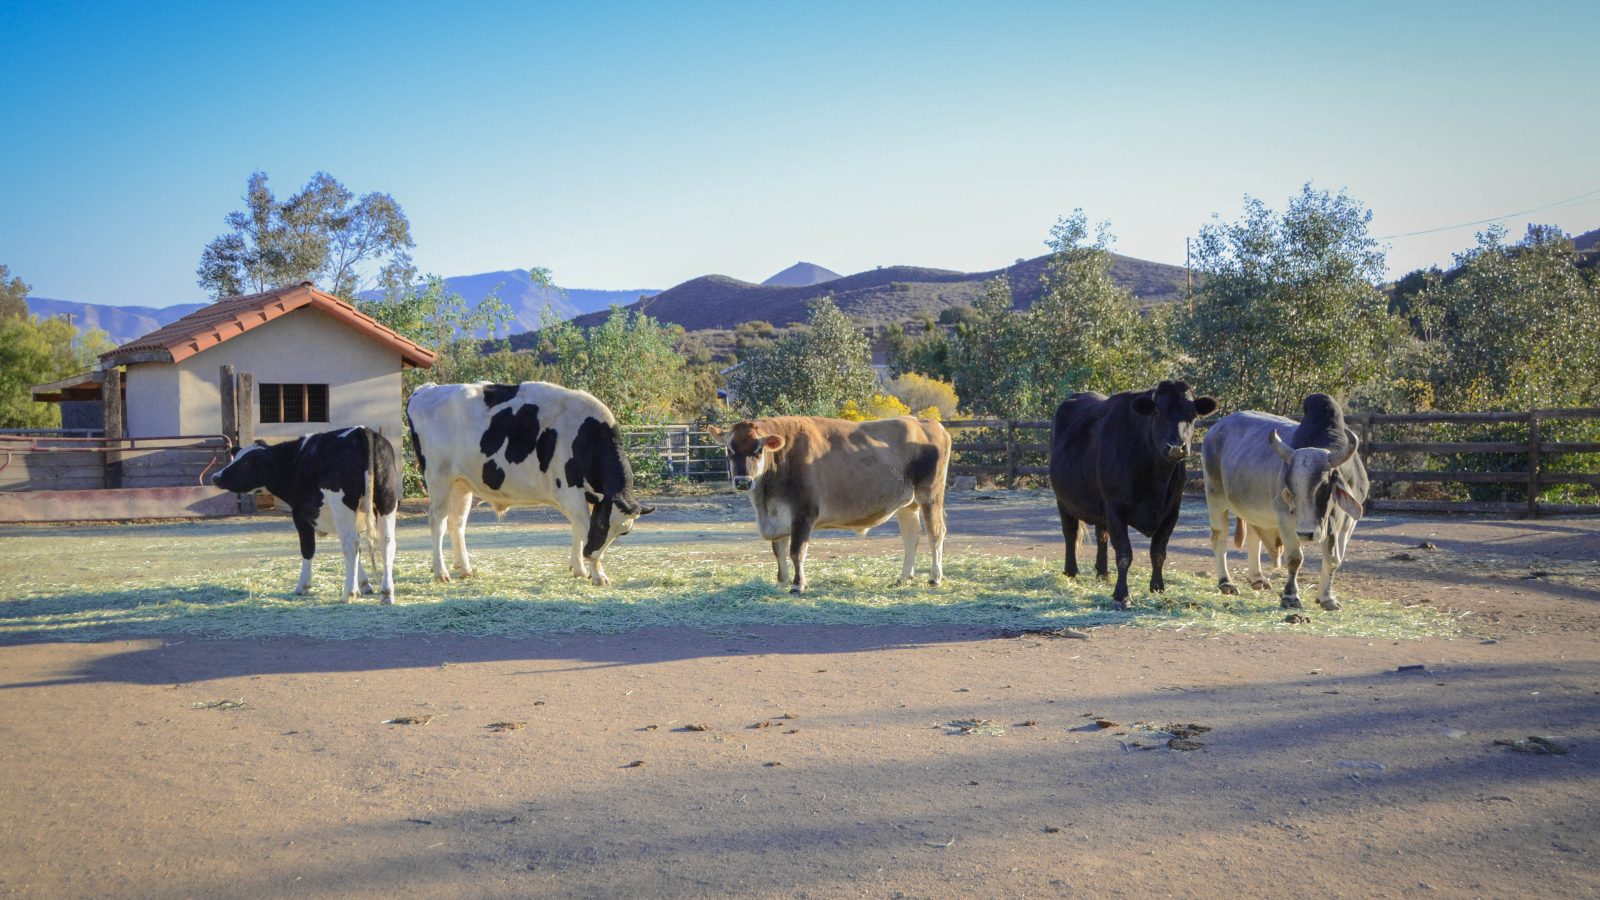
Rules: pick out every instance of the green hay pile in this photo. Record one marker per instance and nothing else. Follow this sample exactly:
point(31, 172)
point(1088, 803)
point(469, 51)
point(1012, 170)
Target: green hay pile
point(523, 590)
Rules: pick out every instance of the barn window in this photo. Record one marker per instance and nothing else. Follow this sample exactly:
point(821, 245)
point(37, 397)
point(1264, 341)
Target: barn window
point(293, 403)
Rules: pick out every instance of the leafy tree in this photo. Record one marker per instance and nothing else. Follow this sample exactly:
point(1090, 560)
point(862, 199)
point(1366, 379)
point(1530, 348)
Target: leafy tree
point(955, 315)
point(13, 295)
point(323, 232)
point(927, 353)
point(1085, 331)
point(1512, 326)
point(630, 362)
point(35, 351)
point(812, 372)
point(990, 358)
point(442, 321)
point(1288, 305)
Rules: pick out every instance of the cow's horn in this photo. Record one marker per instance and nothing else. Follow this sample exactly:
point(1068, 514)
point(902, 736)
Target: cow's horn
point(1351, 442)
point(1285, 452)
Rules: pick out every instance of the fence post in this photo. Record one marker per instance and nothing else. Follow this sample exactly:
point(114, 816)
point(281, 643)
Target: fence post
point(1533, 465)
point(111, 403)
point(1011, 454)
point(229, 404)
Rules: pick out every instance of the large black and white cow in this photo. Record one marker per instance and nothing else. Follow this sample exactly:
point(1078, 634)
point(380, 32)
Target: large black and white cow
point(1117, 463)
point(1310, 487)
point(805, 472)
point(529, 444)
point(343, 482)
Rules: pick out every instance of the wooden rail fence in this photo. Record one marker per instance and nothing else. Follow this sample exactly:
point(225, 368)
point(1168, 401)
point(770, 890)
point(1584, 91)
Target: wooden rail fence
point(41, 462)
point(1014, 449)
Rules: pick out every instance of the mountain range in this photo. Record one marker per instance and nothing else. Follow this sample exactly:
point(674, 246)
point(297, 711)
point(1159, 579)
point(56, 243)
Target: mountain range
point(514, 287)
point(877, 296)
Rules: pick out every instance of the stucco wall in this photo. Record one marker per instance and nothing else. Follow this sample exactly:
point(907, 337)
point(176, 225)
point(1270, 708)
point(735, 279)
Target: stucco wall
point(152, 398)
point(303, 347)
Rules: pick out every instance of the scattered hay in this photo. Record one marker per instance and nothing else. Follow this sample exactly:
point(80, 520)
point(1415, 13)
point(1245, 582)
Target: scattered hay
point(220, 704)
point(228, 587)
point(1537, 744)
point(1174, 736)
point(407, 720)
point(498, 727)
point(976, 726)
point(697, 727)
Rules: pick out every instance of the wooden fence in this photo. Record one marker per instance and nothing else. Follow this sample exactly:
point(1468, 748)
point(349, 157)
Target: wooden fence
point(1395, 452)
point(49, 462)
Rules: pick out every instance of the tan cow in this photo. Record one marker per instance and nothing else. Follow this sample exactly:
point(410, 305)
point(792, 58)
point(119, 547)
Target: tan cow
point(805, 472)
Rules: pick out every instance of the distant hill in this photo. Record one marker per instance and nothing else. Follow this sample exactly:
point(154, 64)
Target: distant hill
point(1588, 241)
point(122, 323)
point(527, 300)
point(878, 296)
point(802, 274)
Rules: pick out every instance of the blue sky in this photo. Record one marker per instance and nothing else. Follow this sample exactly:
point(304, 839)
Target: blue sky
point(637, 145)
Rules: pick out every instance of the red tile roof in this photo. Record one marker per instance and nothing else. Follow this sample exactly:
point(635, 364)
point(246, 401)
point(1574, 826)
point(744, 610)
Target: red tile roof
point(232, 316)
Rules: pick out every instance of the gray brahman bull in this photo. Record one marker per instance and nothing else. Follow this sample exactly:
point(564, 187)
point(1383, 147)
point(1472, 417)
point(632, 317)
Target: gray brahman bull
point(1310, 488)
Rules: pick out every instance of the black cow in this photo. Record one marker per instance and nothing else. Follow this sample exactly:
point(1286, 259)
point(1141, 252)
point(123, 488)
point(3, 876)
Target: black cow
point(1118, 462)
point(339, 482)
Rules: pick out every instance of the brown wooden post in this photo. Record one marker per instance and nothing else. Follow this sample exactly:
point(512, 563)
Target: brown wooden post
point(111, 402)
point(244, 410)
point(1011, 454)
point(1533, 465)
point(229, 405)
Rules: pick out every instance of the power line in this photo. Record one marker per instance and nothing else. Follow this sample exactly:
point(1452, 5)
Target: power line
point(1566, 202)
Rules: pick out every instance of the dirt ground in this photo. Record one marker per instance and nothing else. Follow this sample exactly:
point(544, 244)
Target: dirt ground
point(827, 766)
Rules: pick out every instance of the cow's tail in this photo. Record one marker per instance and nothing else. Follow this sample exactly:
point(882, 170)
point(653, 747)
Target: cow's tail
point(369, 505)
point(1238, 532)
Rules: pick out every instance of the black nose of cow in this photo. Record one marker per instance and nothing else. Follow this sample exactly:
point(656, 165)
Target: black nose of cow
point(743, 482)
point(1176, 452)
point(1306, 535)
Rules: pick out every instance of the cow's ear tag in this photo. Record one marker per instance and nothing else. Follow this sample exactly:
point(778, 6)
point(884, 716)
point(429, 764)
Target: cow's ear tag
point(1346, 501)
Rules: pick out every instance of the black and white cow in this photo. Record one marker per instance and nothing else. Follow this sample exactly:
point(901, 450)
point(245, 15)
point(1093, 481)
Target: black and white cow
point(529, 444)
point(337, 482)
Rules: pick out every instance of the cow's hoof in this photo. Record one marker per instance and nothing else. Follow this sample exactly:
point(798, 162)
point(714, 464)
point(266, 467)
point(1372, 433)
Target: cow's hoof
point(465, 573)
point(797, 589)
point(350, 597)
point(1070, 573)
point(301, 591)
point(1289, 602)
point(936, 581)
point(1260, 584)
point(600, 581)
point(1328, 603)
point(1157, 587)
point(366, 587)
point(387, 599)
point(1228, 587)
point(1120, 605)
point(1103, 576)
